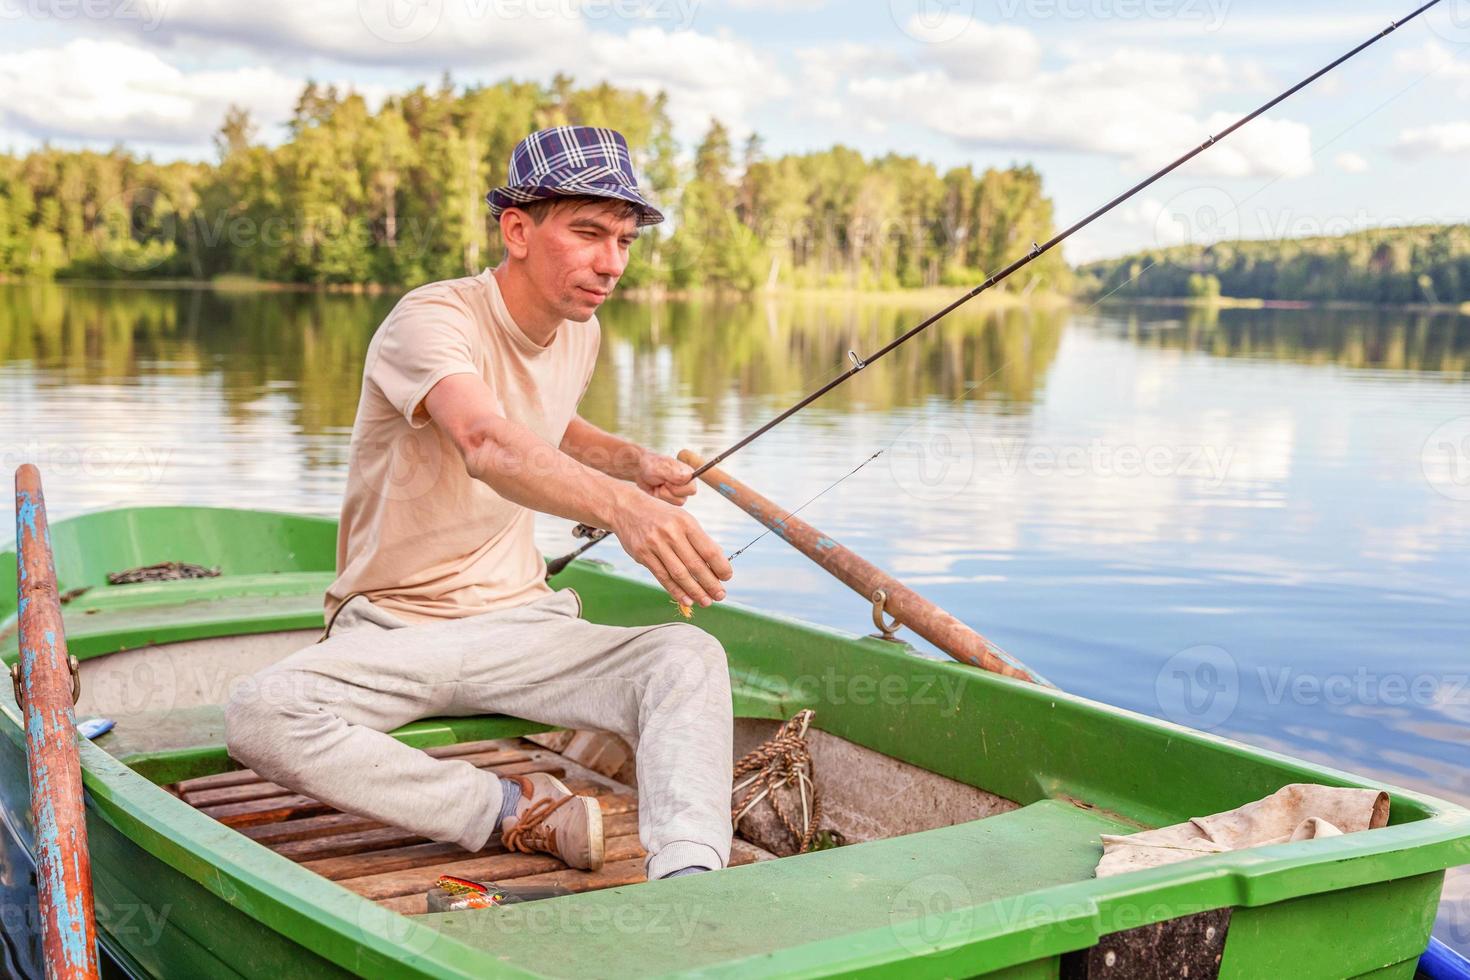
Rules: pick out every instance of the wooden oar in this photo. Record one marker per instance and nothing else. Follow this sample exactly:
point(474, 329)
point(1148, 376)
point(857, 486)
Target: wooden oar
point(886, 593)
point(44, 687)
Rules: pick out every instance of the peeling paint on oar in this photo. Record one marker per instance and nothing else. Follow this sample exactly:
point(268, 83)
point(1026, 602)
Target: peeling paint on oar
point(44, 686)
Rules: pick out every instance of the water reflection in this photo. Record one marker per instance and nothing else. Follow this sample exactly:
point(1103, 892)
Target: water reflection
point(1096, 490)
point(1351, 338)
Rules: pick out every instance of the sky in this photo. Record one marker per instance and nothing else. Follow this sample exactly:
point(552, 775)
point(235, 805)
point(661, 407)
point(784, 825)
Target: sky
point(1094, 93)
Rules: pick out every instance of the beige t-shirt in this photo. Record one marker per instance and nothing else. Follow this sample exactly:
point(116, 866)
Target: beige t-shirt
point(419, 536)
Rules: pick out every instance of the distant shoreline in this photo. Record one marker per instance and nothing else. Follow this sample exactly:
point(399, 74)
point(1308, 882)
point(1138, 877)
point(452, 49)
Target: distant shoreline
point(938, 294)
point(1250, 303)
point(935, 295)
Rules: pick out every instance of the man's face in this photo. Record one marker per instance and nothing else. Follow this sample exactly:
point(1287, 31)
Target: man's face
point(575, 256)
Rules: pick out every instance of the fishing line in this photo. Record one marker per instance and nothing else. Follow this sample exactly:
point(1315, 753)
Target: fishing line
point(595, 535)
point(821, 493)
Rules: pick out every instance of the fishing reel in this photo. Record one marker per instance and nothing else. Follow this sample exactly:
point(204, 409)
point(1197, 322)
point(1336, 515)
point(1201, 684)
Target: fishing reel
point(590, 532)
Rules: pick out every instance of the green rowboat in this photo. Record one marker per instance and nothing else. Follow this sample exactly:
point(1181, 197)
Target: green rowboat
point(986, 868)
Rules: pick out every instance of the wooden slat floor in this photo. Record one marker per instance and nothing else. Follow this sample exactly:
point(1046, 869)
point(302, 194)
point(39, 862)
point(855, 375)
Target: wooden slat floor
point(395, 867)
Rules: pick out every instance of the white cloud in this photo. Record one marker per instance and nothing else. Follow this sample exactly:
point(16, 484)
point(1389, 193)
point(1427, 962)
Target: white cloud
point(975, 51)
point(107, 90)
point(1141, 106)
point(403, 33)
point(1225, 26)
point(705, 76)
point(129, 89)
point(1453, 137)
point(1436, 59)
point(824, 72)
point(1351, 163)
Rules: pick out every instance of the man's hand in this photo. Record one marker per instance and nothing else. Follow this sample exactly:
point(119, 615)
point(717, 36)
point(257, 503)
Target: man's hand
point(670, 543)
point(665, 478)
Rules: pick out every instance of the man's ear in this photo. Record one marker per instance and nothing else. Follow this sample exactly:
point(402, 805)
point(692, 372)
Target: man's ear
point(515, 227)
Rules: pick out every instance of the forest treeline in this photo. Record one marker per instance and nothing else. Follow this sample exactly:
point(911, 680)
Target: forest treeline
point(396, 196)
point(1391, 266)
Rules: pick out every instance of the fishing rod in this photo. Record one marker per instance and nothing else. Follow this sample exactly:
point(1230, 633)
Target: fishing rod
point(594, 534)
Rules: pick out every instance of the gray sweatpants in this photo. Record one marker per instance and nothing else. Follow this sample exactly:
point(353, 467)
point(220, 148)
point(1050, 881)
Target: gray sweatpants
point(315, 721)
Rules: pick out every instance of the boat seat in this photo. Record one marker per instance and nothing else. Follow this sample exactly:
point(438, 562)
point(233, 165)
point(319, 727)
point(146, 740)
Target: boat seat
point(108, 618)
point(746, 913)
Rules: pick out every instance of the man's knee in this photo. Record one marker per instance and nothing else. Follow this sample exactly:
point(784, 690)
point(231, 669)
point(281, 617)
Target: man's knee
point(259, 719)
point(690, 660)
point(690, 644)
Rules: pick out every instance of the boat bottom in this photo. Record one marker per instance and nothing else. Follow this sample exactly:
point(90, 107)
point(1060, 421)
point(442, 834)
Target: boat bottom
point(395, 867)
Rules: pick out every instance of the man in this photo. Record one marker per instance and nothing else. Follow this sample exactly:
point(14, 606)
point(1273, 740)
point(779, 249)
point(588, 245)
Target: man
point(466, 423)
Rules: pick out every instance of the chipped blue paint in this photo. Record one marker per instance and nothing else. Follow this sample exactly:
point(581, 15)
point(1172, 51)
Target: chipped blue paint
point(825, 543)
point(25, 520)
point(70, 918)
point(35, 724)
point(51, 648)
point(780, 528)
point(725, 489)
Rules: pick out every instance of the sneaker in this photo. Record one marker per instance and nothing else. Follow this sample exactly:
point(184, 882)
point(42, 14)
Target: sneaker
point(551, 819)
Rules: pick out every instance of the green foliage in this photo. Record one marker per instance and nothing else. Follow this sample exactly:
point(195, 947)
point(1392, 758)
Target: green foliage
point(1429, 263)
point(1204, 287)
point(396, 197)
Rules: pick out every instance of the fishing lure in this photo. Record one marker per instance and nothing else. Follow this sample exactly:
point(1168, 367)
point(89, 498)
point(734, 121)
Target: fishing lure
point(686, 611)
point(452, 893)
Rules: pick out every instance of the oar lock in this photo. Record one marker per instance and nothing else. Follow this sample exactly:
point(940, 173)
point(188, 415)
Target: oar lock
point(76, 681)
point(886, 631)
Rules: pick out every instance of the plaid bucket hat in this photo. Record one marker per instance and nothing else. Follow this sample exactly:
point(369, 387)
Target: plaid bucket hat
point(571, 160)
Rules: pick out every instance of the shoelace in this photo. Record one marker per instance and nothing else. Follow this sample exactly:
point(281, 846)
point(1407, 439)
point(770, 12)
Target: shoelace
point(530, 833)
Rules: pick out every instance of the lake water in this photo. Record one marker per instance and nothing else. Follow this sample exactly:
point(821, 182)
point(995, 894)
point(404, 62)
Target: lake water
point(1253, 522)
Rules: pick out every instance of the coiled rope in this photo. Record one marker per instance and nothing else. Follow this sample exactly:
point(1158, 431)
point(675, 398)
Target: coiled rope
point(780, 761)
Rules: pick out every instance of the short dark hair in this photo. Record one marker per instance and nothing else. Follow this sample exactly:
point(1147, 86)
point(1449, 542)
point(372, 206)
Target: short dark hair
point(538, 210)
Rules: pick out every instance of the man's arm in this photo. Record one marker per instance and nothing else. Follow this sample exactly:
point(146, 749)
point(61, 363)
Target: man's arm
point(525, 469)
point(663, 476)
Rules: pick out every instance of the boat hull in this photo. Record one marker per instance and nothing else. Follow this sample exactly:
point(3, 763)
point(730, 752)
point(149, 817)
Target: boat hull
point(1009, 895)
